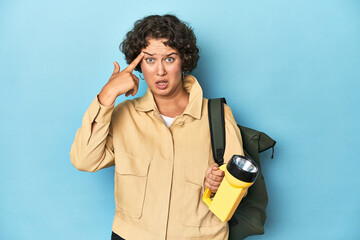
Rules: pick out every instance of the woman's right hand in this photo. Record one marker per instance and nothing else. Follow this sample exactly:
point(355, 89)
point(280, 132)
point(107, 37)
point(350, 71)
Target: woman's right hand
point(120, 83)
point(213, 177)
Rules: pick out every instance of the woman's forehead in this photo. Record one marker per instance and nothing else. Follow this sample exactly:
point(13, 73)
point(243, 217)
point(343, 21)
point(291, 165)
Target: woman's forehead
point(157, 47)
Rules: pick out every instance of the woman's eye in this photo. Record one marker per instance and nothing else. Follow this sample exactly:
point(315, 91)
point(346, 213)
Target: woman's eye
point(170, 59)
point(150, 60)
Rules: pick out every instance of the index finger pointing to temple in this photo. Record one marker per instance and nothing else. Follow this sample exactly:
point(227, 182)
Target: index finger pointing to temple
point(136, 61)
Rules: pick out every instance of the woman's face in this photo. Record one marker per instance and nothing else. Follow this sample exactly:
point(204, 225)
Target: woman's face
point(161, 67)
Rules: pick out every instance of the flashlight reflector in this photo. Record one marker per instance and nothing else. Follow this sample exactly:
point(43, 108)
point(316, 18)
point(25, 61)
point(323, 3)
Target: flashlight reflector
point(245, 164)
point(243, 168)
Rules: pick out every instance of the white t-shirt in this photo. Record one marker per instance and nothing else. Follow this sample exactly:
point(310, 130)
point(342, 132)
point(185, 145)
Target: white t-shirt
point(168, 120)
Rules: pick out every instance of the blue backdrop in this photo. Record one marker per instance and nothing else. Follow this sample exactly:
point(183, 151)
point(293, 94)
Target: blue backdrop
point(288, 68)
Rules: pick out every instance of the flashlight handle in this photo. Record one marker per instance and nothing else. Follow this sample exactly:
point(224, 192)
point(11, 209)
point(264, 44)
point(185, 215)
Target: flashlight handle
point(206, 197)
point(207, 193)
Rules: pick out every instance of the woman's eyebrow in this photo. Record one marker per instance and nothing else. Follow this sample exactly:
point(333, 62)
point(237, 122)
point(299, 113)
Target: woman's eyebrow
point(148, 53)
point(172, 53)
point(152, 54)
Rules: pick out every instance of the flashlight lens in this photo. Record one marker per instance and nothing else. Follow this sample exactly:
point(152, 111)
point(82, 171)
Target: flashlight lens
point(245, 165)
point(243, 168)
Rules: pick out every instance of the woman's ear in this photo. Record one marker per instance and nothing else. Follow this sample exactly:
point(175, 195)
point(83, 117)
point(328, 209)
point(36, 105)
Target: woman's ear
point(140, 66)
point(141, 74)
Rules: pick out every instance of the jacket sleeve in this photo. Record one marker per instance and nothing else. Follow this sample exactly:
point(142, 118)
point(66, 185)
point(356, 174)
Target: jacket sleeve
point(92, 151)
point(233, 139)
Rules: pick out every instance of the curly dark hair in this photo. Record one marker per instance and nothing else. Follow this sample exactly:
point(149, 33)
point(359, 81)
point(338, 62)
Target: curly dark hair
point(179, 35)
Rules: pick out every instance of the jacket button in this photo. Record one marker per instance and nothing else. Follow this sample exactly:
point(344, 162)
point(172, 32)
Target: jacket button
point(181, 123)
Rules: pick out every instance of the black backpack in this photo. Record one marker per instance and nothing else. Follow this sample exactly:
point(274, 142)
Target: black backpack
point(249, 218)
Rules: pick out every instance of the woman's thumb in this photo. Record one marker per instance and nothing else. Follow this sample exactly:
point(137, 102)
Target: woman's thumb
point(116, 67)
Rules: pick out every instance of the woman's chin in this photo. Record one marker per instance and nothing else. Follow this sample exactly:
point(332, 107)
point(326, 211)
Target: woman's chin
point(161, 92)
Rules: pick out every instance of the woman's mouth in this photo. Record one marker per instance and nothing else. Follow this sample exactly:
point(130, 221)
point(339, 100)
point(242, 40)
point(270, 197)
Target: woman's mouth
point(162, 84)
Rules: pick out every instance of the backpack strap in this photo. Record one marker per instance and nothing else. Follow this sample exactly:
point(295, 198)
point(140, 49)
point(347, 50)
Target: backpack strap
point(217, 128)
point(217, 131)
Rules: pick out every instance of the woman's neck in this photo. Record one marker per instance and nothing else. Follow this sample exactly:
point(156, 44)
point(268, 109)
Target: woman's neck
point(172, 106)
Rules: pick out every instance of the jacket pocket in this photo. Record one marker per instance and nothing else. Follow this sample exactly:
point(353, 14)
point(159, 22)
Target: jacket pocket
point(131, 175)
point(194, 212)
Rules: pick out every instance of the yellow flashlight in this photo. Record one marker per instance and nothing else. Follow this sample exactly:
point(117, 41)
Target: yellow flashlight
point(240, 173)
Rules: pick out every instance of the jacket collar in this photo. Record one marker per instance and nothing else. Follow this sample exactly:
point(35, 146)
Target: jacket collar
point(146, 103)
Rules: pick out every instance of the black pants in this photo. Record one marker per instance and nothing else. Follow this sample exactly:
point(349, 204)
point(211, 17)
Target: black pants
point(114, 236)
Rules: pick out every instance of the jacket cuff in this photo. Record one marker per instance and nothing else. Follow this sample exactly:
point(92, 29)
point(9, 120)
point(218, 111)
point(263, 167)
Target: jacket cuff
point(100, 113)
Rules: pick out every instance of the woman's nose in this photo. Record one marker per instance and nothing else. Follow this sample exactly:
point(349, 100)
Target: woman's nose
point(161, 71)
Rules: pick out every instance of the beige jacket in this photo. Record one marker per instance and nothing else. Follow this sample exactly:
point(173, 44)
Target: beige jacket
point(159, 171)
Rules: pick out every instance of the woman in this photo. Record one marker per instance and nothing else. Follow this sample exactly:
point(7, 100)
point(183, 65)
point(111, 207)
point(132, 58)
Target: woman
point(160, 142)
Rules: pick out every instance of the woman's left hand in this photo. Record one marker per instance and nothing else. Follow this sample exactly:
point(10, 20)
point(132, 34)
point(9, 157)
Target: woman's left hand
point(213, 177)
